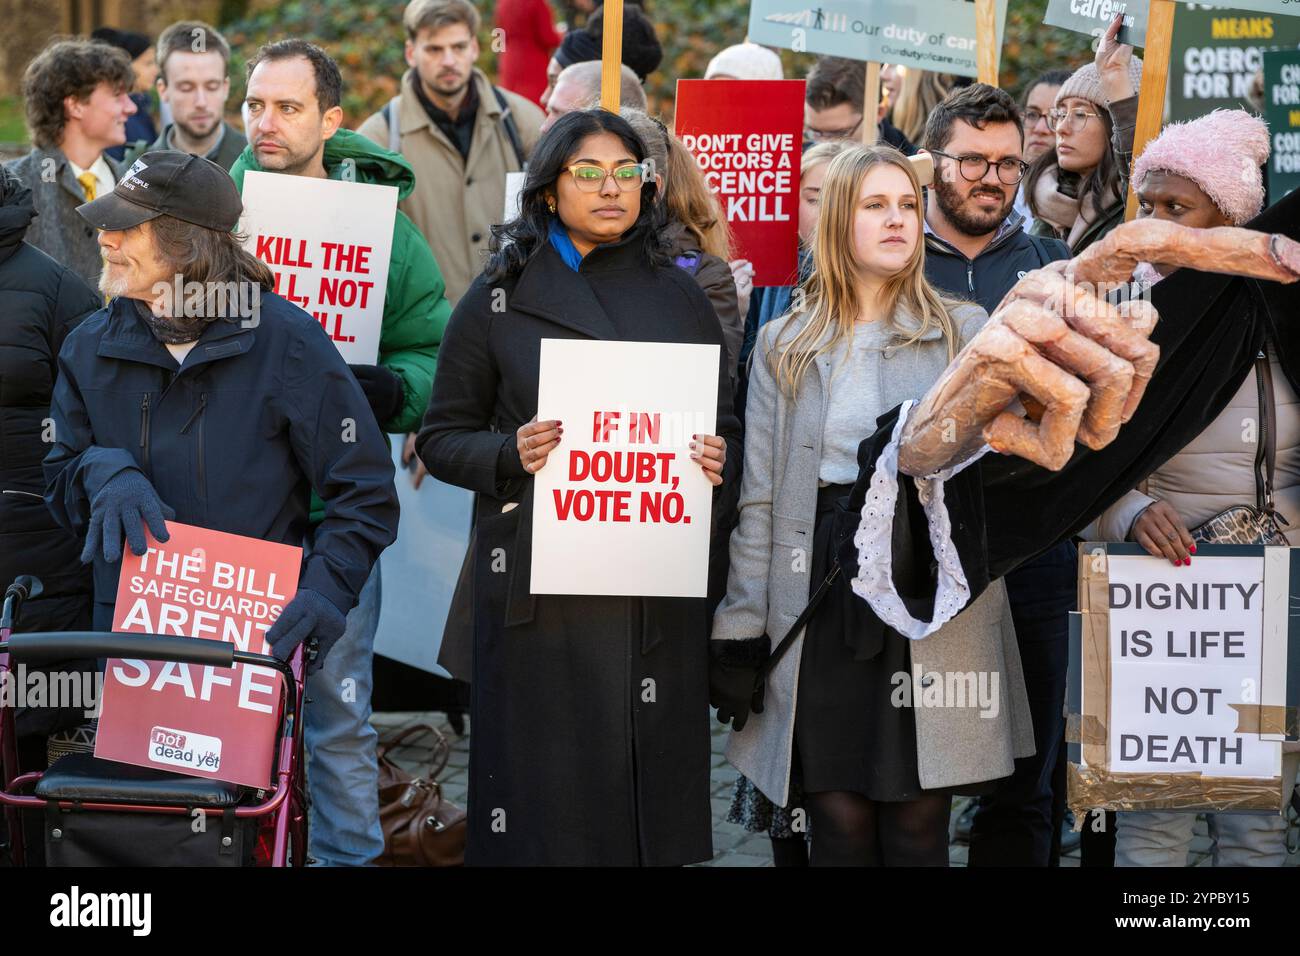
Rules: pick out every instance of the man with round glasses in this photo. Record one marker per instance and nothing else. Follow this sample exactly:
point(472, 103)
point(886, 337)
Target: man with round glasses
point(975, 249)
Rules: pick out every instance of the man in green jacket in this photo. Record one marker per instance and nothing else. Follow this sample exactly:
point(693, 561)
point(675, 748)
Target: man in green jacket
point(292, 116)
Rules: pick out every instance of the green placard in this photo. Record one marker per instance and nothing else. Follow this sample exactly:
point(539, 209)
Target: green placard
point(1094, 16)
point(1282, 113)
point(928, 34)
point(1217, 51)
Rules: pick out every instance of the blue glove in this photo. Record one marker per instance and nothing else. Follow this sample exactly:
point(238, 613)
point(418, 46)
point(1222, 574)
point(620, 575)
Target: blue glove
point(124, 505)
point(309, 615)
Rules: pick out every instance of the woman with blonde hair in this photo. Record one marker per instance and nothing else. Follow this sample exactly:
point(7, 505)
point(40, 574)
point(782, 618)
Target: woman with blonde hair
point(863, 720)
point(771, 302)
point(696, 230)
point(691, 202)
point(749, 808)
point(919, 92)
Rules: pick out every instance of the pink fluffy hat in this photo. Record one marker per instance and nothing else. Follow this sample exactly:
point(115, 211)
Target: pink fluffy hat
point(1220, 152)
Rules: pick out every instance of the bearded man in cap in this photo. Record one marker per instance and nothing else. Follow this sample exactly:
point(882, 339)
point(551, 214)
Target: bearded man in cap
point(199, 394)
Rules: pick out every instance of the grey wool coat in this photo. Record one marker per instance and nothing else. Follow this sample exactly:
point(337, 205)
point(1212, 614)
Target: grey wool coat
point(766, 589)
point(57, 230)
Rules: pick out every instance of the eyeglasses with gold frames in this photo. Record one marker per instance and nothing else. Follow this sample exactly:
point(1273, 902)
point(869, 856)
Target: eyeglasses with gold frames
point(590, 178)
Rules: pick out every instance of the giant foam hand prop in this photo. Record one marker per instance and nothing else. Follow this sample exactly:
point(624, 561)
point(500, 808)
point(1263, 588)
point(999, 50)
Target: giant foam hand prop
point(1078, 362)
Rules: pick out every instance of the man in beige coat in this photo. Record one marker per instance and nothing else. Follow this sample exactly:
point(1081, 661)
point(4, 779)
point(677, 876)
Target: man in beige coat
point(460, 133)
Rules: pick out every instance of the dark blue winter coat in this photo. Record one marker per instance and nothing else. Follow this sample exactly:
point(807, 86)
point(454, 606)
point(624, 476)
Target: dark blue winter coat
point(234, 439)
point(985, 279)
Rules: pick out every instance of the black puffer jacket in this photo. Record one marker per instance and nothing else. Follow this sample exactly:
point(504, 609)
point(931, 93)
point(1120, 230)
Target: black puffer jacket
point(41, 301)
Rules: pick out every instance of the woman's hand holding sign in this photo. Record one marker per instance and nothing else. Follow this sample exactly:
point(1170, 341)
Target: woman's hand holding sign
point(711, 453)
point(535, 440)
point(1161, 530)
point(1112, 62)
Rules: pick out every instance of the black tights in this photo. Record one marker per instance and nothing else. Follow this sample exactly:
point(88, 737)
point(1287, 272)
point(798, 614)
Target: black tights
point(792, 850)
point(849, 829)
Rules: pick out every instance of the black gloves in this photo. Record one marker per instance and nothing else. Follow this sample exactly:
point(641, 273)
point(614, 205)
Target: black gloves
point(125, 504)
point(733, 670)
point(383, 388)
point(309, 615)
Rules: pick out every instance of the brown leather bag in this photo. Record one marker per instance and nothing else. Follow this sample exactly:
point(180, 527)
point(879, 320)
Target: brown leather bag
point(421, 828)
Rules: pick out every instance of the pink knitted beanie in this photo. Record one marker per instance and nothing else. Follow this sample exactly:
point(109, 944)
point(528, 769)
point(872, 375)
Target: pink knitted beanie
point(1221, 152)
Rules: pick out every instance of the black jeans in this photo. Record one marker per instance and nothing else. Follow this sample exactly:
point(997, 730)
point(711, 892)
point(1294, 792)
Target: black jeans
point(1019, 824)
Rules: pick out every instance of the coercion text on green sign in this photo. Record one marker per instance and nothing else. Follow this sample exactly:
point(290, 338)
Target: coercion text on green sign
point(1282, 113)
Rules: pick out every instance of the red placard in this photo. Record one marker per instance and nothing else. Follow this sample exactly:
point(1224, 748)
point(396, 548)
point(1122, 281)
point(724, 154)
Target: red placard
point(190, 719)
point(747, 136)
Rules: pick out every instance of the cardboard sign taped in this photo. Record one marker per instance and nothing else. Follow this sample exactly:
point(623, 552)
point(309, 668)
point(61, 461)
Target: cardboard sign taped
point(1213, 694)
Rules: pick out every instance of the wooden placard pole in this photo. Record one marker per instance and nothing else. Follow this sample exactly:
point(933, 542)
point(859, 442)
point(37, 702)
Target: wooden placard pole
point(871, 105)
point(1155, 71)
point(986, 40)
point(611, 57)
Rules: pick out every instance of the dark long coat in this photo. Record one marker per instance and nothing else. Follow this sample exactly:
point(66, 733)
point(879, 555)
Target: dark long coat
point(41, 302)
point(569, 763)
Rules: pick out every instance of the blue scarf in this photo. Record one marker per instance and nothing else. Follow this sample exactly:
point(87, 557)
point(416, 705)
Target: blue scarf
point(564, 245)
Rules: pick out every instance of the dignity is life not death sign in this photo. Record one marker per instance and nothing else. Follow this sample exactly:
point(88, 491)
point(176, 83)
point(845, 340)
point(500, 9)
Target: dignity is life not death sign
point(620, 508)
point(1186, 653)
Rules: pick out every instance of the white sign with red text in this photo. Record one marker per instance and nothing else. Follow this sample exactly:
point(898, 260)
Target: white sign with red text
point(328, 243)
point(619, 507)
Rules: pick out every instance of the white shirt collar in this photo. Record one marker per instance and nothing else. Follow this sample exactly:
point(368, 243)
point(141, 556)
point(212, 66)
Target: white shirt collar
point(103, 174)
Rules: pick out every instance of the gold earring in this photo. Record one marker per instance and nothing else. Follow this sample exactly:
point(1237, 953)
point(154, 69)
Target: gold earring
point(550, 204)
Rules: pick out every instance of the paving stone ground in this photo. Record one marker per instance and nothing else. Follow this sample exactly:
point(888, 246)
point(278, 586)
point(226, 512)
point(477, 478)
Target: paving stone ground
point(732, 845)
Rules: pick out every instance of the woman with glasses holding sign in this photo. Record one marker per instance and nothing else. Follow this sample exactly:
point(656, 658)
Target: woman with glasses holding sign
point(590, 717)
point(1077, 192)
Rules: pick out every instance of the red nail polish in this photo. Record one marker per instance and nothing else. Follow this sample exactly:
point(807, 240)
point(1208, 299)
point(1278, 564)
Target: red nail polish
point(1192, 549)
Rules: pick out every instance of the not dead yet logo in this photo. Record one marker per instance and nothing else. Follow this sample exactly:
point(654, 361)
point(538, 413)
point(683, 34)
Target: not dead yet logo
point(184, 748)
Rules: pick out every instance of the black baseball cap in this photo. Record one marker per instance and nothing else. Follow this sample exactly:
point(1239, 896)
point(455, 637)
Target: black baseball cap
point(172, 183)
